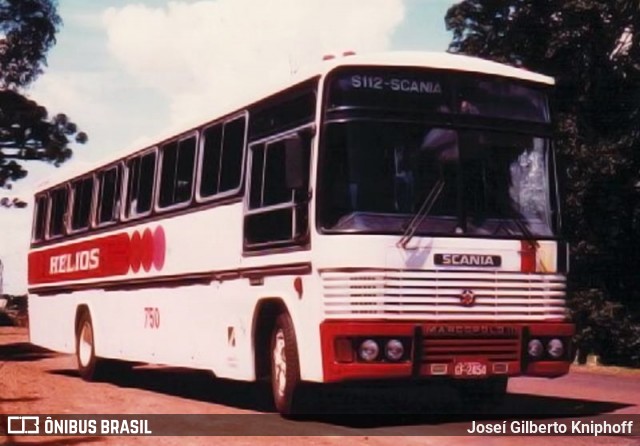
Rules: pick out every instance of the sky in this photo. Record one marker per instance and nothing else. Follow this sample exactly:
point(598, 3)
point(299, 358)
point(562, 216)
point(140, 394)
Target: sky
point(126, 70)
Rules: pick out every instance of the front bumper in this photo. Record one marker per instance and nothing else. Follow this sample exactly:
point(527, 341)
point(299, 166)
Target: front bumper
point(441, 349)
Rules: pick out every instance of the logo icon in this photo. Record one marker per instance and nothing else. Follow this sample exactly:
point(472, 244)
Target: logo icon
point(23, 425)
point(467, 298)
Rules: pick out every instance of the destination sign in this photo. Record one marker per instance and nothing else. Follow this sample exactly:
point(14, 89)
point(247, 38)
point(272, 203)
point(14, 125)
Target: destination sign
point(428, 90)
point(393, 88)
point(405, 85)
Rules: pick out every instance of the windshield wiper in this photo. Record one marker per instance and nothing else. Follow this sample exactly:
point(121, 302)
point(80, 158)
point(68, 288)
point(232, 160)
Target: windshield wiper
point(422, 213)
point(519, 221)
point(526, 232)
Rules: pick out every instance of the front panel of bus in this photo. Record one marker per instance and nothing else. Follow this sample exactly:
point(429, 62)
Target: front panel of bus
point(437, 227)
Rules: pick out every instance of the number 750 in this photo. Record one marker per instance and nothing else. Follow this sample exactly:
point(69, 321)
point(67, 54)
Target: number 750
point(151, 317)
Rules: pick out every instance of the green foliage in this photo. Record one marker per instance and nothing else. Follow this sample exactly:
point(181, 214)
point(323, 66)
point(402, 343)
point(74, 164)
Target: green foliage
point(592, 48)
point(14, 202)
point(27, 32)
point(605, 329)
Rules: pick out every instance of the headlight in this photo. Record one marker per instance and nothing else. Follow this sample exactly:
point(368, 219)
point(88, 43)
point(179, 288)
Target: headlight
point(555, 348)
point(535, 348)
point(394, 350)
point(368, 350)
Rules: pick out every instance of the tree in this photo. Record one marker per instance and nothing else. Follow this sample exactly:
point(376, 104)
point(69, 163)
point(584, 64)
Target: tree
point(28, 28)
point(27, 32)
point(15, 202)
point(26, 135)
point(592, 48)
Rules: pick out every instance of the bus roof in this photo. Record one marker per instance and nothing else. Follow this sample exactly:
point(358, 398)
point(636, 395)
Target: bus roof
point(436, 60)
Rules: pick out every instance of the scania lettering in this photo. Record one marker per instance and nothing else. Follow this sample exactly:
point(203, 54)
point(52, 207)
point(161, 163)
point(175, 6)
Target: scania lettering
point(413, 86)
point(391, 217)
point(467, 260)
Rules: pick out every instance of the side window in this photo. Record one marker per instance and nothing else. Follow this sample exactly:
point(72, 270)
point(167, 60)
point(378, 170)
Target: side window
point(82, 193)
point(222, 156)
point(277, 208)
point(58, 204)
point(39, 218)
point(210, 164)
point(232, 151)
point(284, 112)
point(141, 172)
point(109, 187)
point(257, 174)
point(269, 187)
point(176, 181)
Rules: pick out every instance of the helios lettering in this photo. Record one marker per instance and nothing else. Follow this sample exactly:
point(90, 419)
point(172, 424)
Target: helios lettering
point(78, 261)
point(467, 260)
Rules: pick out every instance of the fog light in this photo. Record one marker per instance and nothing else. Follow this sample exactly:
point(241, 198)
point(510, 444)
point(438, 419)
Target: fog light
point(368, 350)
point(535, 348)
point(555, 348)
point(394, 351)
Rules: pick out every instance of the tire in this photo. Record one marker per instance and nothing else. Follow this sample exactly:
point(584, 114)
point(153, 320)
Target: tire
point(89, 366)
point(285, 365)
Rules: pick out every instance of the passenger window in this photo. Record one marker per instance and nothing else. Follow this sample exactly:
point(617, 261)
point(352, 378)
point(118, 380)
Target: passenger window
point(176, 182)
point(108, 206)
point(277, 213)
point(59, 202)
point(210, 167)
point(82, 191)
point(39, 218)
point(222, 156)
point(141, 177)
point(269, 187)
point(232, 154)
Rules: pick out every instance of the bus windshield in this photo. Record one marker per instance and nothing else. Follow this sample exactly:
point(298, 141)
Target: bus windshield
point(377, 174)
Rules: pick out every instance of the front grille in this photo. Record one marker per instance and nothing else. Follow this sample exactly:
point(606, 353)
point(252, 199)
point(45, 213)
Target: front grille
point(446, 350)
point(436, 295)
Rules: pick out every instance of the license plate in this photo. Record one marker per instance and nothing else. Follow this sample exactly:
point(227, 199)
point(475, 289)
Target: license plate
point(470, 369)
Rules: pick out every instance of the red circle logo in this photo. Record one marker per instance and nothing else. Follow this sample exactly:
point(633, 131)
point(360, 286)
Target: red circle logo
point(135, 252)
point(159, 247)
point(147, 250)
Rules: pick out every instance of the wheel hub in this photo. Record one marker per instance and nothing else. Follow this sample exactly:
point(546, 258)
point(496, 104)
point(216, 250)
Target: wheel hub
point(85, 345)
point(280, 362)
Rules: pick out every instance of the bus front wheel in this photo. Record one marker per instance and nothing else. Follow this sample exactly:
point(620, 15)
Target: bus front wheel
point(88, 363)
point(285, 365)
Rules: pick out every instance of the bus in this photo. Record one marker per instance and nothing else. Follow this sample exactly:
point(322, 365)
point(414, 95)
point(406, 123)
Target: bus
point(388, 217)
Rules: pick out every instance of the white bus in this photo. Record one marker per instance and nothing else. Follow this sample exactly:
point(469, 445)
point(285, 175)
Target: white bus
point(386, 217)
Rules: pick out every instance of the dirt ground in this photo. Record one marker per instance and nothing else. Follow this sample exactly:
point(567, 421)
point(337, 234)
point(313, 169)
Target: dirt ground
point(34, 380)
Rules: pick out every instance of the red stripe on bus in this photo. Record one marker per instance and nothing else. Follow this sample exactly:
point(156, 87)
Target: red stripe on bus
point(108, 256)
point(528, 255)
